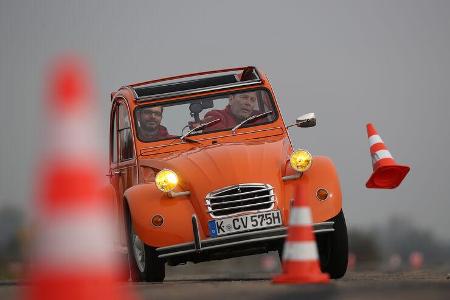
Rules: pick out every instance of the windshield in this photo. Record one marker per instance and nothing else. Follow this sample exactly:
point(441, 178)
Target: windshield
point(173, 120)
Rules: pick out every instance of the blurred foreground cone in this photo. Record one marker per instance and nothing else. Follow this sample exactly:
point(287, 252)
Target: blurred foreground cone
point(300, 255)
point(387, 174)
point(72, 257)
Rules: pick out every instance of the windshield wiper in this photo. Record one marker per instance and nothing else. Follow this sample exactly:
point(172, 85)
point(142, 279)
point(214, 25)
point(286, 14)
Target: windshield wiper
point(199, 127)
point(251, 118)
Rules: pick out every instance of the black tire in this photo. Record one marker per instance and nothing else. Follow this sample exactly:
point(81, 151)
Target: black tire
point(151, 268)
point(333, 248)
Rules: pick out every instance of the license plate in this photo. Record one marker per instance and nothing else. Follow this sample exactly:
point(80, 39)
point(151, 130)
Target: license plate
point(244, 223)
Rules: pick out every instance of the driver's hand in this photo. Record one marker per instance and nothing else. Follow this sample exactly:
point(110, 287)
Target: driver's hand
point(193, 124)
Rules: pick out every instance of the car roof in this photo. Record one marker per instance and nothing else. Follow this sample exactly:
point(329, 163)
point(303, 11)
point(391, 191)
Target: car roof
point(195, 83)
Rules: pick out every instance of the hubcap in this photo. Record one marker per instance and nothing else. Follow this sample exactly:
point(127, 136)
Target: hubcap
point(139, 252)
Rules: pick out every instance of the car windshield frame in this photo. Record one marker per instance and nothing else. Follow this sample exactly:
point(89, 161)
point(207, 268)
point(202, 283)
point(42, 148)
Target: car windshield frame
point(218, 95)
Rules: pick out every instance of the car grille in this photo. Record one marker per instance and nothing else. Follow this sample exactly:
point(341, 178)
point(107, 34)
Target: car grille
point(240, 198)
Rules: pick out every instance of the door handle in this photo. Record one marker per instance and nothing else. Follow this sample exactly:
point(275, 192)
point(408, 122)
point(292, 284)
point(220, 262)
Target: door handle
point(117, 172)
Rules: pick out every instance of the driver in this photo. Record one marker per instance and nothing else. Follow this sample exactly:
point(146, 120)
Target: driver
point(240, 107)
point(150, 128)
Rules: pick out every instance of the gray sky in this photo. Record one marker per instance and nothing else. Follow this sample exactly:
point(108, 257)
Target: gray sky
point(350, 62)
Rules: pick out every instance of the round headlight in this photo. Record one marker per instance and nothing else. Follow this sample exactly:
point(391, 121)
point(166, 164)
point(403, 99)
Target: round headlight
point(301, 160)
point(166, 180)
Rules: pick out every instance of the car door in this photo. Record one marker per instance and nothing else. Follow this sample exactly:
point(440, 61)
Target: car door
point(123, 160)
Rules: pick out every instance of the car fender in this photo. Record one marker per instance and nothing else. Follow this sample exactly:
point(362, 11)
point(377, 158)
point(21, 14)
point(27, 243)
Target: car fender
point(321, 174)
point(145, 201)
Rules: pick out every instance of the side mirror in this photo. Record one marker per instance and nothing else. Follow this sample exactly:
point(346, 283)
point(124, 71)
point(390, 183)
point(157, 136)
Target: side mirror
point(306, 120)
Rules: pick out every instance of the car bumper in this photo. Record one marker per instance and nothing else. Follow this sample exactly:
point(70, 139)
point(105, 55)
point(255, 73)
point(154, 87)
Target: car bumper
point(198, 245)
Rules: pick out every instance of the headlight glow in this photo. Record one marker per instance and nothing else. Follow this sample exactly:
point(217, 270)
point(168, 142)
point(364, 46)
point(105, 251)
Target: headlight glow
point(301, 160)
point(166, 180)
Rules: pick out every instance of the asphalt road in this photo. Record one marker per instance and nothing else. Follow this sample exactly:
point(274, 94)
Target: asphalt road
point(423, 284)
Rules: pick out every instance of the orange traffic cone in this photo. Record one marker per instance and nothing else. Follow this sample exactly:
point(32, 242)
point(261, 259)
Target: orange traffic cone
point(300, 255)
point(387, 174)
point(72, 257)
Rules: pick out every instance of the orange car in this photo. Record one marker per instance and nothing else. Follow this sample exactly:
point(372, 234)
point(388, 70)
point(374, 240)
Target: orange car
point(203, 169)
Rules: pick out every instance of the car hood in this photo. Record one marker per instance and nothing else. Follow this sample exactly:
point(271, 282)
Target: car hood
point(206, 169)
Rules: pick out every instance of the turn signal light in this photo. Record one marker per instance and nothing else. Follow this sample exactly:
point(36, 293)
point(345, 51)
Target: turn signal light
point(322, 194)
point(157, 220)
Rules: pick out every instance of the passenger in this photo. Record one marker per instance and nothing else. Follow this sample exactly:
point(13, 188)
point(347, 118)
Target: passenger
point(150, 128)
point(240, 107)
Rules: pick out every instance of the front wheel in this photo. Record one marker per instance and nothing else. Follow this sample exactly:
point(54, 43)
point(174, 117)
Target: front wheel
point(143, 260)
point(333, 248)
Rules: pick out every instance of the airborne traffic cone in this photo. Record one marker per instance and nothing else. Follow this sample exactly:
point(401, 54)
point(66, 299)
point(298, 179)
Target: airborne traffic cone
point(72, 257)
point(300, 255)
point(387, 174)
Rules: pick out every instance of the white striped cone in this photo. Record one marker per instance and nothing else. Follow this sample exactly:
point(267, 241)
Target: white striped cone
point(387, 173)
point(300, 256)
point(72, 256)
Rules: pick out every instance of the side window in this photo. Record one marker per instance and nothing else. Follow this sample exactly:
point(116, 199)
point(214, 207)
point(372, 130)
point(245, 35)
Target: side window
point(113, 139)
point(124, 133)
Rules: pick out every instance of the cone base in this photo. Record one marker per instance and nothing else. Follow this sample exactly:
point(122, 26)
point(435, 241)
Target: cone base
point(387, 177)
point(301, 279)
